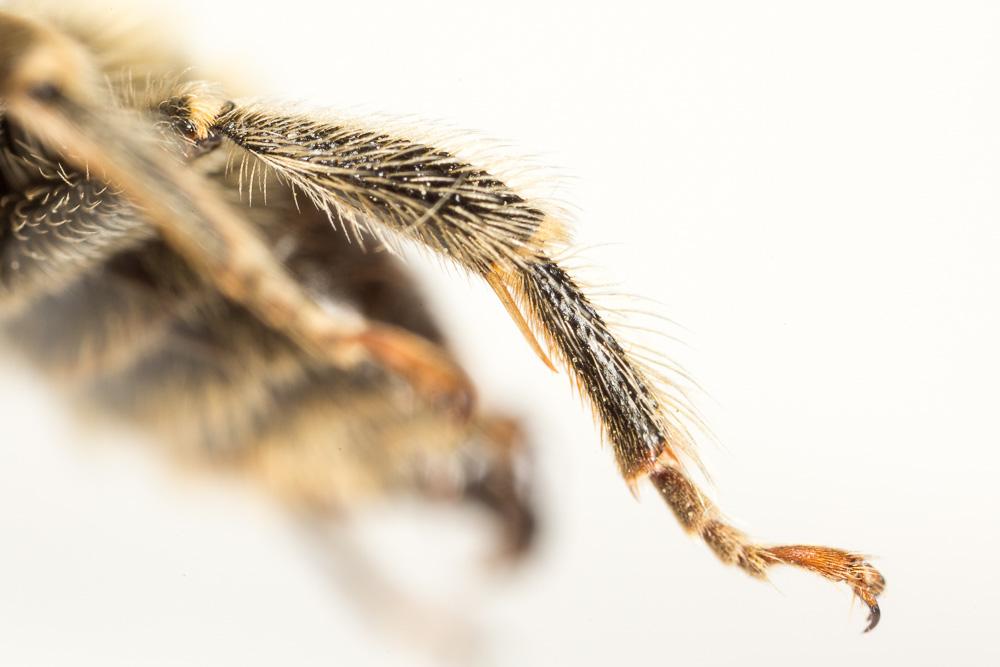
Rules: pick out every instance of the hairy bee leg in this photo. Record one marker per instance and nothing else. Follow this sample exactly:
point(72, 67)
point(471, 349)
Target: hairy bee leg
point(381, 183)
point(390, 183)
point(698, 515)
point(231, 256)
point(51, 91)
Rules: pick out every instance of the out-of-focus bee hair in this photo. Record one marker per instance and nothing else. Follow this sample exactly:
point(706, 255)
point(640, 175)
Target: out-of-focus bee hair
point(259, 329)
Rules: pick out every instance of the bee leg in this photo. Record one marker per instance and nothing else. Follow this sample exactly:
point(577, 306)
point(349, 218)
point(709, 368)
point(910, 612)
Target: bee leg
point(228, 252)
point(431, 627)
point(698, 515)
point(346, 439)
point(496, 474)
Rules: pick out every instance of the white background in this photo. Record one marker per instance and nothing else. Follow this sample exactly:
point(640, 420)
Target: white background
point(810, 189)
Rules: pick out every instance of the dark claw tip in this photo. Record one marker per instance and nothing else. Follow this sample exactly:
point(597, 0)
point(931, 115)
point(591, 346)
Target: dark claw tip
point(874, 614)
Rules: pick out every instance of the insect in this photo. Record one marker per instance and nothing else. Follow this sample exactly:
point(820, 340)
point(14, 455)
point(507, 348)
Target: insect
point(196, 263)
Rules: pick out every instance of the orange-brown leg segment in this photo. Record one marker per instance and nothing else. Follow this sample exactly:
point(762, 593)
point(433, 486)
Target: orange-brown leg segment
point(698, 515)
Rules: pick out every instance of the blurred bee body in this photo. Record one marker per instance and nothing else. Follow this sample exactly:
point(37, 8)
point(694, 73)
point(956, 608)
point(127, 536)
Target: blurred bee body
point(92, 295)
point(261, 338)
